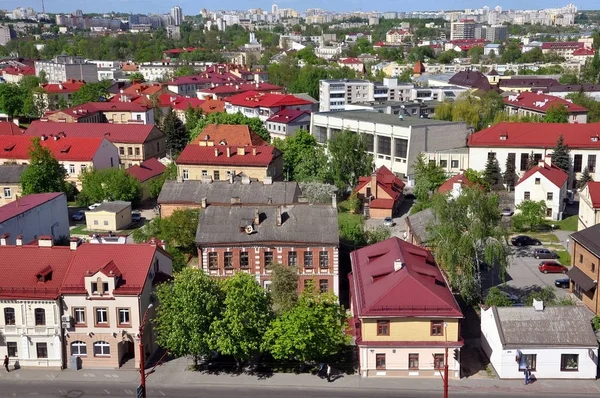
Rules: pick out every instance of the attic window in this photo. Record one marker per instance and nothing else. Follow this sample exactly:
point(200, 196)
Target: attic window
point(65, 149)
point(594, 138)
point(9, 147)
point(503, 137)
point(44, 274)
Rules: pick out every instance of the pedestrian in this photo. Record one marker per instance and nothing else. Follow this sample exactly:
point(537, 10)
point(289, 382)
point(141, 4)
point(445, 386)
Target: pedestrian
point(321, 369)
point(6, 363)
point(328, 373)
point(527, 374)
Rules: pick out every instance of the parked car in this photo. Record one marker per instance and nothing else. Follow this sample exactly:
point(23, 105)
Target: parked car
point(563, 282)
point(552, 267)
point(524, 240)
point(544, 253)
point(78, 216)
point(92, 207)
point(136, 216)
point(507, 212)
point(388, 222)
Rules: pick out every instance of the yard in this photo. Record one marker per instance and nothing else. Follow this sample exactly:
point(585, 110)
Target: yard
point(81, 230)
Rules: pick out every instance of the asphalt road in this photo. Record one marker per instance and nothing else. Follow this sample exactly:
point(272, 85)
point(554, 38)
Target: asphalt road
point(93, 390)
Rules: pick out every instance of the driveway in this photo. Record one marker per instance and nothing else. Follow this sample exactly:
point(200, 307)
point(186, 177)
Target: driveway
point(399, 226)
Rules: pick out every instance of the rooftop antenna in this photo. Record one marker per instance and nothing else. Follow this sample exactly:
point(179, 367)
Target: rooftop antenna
point(43, 8)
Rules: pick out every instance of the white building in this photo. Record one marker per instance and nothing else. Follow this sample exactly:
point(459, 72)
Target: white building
point(64, 67)
point(554, 342)
point(177, 15)
point(544, 182)
point(589, 205)
point(335, 95)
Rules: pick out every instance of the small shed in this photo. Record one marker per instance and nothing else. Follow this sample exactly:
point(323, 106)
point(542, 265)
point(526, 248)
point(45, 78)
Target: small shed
point(109, 216)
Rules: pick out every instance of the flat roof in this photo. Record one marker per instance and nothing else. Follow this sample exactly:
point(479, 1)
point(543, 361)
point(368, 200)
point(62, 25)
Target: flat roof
point(382, 118)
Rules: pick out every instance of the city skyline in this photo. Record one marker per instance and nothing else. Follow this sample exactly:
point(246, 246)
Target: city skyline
point(191, 8)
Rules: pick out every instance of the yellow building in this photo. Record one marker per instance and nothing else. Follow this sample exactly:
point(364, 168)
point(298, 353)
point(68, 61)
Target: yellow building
point(404, 314)
point(109, 216)
point(10, 182)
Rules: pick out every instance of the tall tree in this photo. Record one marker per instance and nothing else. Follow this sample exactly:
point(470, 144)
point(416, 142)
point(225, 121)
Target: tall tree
point(188, 307)
point(428, 177)
point(108, 184)
point(91, 92)
point(585, 178)
point(44, 173)
point(348, 159)
point(284, 287)
point(11, 99)
point(247, 315)
point(530, 213)
point(510, 174)
point(177, 136)
point(531, 162)
point(192, 118)
point(557, 113)
point(560, 155)
point(137, 77)
point(492, 175)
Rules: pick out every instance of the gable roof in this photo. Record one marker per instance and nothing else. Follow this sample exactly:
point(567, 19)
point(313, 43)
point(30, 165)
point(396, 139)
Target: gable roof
point(66, 148)
point(240, 87)
point(70, 86)
point(11, 173)
point(584, 51)
point(588, 238)
point(448, 185)
point(471, 78)
point(351, 61)
point(9, 128)
point(212, 105)
point(552, 173)
point(217, 155)
point(19, 71)
point(116, 133)
point(146, 170)
point(287, 115)
point(25, 204)
point(253, 99)
point(594, 190)
point(540, 102)
point(419, 222)
point(229, 134)
point(416, 289)
point(386, 181)
point(561, 45)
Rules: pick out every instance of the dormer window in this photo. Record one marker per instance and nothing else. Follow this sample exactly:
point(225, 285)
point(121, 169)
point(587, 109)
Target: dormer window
point(102, 285)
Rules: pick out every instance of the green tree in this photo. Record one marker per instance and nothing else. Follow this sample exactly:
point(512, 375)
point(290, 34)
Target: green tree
point(91, 92)
point(475, 53)
point(294, 149)
point(156, 185)
point(447, 56)
point(348, 159)
point(184, 70)
point(284, 287)
point(44, 173)
point(492, 175)
point(593, 106)
point(176, 134)
point(247, 315)
point(188, 307)
point(353, 203)
point(43, 76)
point(585, 178)
point(192, 118)
point(378, 234)
point(428, 177)
point(312, 330)
point(496, 298)
point(313, 166)
point(108, 184)
point(557, 113)
point(530, 213)
point(560, 155)
point(531, 161)
point(11, 99)
point(568, 78)
point(510, 174)
point(178, 230)
point(254, 123)
point(137, 77)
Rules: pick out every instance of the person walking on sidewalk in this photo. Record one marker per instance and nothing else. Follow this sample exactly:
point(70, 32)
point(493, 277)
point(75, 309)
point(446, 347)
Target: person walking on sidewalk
point(328, 373)
point(6, 363)
point(527, 375)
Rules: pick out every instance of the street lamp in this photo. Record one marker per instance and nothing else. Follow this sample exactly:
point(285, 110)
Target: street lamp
point(445, 361)
point(141, 391)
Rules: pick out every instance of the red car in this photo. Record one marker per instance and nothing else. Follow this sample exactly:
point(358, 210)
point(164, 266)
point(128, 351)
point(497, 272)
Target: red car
point(552, 267)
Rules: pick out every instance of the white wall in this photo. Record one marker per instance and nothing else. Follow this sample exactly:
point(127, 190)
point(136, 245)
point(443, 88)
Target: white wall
point(539, 192)
point(396, 358)
point(106, 156)
point(588, 216)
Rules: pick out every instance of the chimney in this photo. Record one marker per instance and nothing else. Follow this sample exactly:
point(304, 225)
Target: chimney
point(74, 243)
point(254, 151)
point(268, 180)
point(228, 152)
point(19, 241)
point(548, 160)
point(278, 215)
point(45, 241)
point(4, 239)
point(374, 185)
point(204, 203)
point(398, 265)
point(241, 151)
point(216, 152)
point(334, 201)
point(542, 163)
point(245, 180)
point(231, 178)
point(256, 216)
point(538, 305)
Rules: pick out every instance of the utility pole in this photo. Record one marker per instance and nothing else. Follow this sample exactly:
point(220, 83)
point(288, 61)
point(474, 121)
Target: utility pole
point(141, 390)
point(445, 372)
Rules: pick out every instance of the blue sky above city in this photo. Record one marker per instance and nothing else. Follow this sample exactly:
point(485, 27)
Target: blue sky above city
point(193, 7)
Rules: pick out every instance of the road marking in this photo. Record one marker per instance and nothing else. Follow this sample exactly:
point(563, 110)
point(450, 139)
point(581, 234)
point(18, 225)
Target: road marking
point(34, 393)
point(89, 375)
point(106, 391)
point(162, 393)
point(61, 392)
point(128, 392)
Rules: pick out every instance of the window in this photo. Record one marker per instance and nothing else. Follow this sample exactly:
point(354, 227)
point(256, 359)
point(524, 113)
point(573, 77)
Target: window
point(7, 193)
point(443, 163)
point(213, 260)
point(383, 328)
point(549, 196)
point(323, 285)
point(228, 259)
point(94, 288)
point(185, 174)
point(549, 212)
point(526, 195)
point(42, 350)
point(308, 259)
point(454, 164)
point(413, 361)
point(437, 328)
point(101, 348)
point(121, 150)
point(204, 173)
point(79, 315)
point(581, 258)
point(323, 259)
point(101, 316)
point(244, 261)
point(83, 168)
point(511, 159)
point(368, 140)
point(591, 165)
point(105, 222)
point(593, 267)
point(9, 316)
point(11, 347)
point(137, 151)
point(292, 258)
point(537, 181)
point(438, 361)
point(95, 222)
point(401, 147)
point(158, 146)
point(78, 348)
point(524, 161)
point(527, 361)
point(40, 317)
point(384, 145)
point(380, 361)
point(216, 175)
point(569, 362)
point(268, 258)
point(491, 155)
point(577, 163)
point(130, 151)
point(123, 314)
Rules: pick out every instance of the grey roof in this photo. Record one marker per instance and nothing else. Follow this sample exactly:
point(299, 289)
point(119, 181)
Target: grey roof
point(588, 238)
point(11, 173)
point(383, 118)
point(522, 327)
point(221, 192)
point(113, 207)
point(302, 224)
point(419, 224)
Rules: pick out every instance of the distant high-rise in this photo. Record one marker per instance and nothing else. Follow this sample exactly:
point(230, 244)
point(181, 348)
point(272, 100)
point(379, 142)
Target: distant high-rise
point(463, 29)
point(274, 9)
point(177, 15)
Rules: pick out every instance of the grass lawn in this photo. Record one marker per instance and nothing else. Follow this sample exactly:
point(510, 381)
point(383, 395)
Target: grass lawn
point(564, 257)
point(81, 230)
point(568, 224)
point(544, 237)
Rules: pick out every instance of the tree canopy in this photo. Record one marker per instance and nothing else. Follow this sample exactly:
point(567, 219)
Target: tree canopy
point(176, 135)
point(44, 173)
point(560, 155)
point(108, 184)
point(557, 113)
point(91, 92)
point(254, 123)
point(349, 159)
point(428, 177)
point(284, 287)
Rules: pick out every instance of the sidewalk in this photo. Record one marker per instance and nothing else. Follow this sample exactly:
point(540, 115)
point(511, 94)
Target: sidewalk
point(176, 373)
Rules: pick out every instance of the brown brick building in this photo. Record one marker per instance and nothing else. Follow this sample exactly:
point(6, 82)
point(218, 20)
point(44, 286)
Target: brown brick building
point(585, 259)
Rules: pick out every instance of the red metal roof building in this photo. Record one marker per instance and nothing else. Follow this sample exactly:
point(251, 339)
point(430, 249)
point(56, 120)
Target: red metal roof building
point(263, 106)
point(448, 185)
point(287, 122)
point(10, 128)
point(227, 90)
point(228, 134)
point(552, 173)
point(118, 112)
point(404, 313)
point(537, 104)
point(381, 193)
point(146, 170)
point(68, 87)
point(64, 149)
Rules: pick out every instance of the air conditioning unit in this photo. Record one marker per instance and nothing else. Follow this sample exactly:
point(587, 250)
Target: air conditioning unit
point(66, 318)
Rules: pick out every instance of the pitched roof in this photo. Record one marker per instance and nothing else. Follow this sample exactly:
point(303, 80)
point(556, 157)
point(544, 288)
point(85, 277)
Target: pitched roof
point(588, 238)
point(584, 51)
point(541, 83)
point(70, 86)
point(146, 170)
point(206, 78)
point(594, 190)
point(419, 224)
point(184, 103)
point(144, 88)
point(419, 67)
point(350, 61)
point(238, 88)
point(418, 288)
point(253, 99)
point(561, 45)
point(229, 134)
point(115, 206)
point(287, 115)
point(18, 71)
point(9, 128)
point(217, 155)
point(65, 148)
point(116, 133)
point(523, 327)
point(11, 173)
point(540, 102)
point(388, 182)
point(23, 281)
point(471, 78)
point(302, 224)
point(537, 135)
point(211, 106)
point(552, 173)
point(25, 204)
point(448, 185)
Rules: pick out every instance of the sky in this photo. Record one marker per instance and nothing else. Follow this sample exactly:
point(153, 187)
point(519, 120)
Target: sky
point(191, 7)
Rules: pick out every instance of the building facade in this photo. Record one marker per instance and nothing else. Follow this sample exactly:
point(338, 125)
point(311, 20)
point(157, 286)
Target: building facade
point(585, 263)
point(536, 104)
point(589, 205)
point(335, 95)
point(287, 122)
point(10, 182)
point(64, 67)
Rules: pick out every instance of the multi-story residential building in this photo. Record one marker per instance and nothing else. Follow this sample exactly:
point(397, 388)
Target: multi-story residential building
point(228, 134)
point(223, 162)
point(73, 153)
point(105, 112)
point(34, 216)
point(135, 142)
point(59, 94)
point(189, 85)
point(263, 106)
point(463, 29)
point(381, 193)
point(352, 63)
point(157, 70)
point(516, 141)
point(589, 205)
point(300, 235)
point(491, 33)
point(537, 104)
point(397, 36)
point(404, 313)
point(585, 267)
point(285, 123)
point(14, 74)
point(453, 161)
point(6, 34)
point(562, 49)
point(335, 95)
point(63, 68)
point(177, 15)
point(10, 182)
point(227, 90)
point(395, 143)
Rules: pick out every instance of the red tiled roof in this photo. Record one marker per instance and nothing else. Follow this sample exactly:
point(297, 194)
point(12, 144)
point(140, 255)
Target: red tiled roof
point(584, 51)
point(20, 280)
point(25, 204)
point(69, 148)
point(70, 86)
point(540, 102)
point(184, 103)
point(17, 71)
point(207, 78)
point(561, 45)
point(382, 204)
point(116, 133)
point(555, 175)
point(146, 170)
point(253, 99)
point(350, 61)
point(144, 88)
point(448, 185)
point(416, 289)
point(9, 128)
point(205, 155)
point(594, 189)
point(241, 88)
point(388, 182)
point(211, 106)
point(287, 115)
point(229, 134)
point(537, 135)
